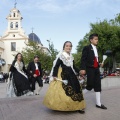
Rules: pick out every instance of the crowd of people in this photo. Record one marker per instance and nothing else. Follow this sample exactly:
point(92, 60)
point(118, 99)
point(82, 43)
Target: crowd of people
point(65, 92)
point(115, 73)
point(106, 73)
point(3, 77)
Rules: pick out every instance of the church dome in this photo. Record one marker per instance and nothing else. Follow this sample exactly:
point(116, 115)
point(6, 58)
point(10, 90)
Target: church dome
point(33, 37)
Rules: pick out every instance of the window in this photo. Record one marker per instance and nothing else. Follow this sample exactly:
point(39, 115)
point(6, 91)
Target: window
point(16, 24)
point(13, 35)
point(11, 25)
point(13, 46)
point(14, 14)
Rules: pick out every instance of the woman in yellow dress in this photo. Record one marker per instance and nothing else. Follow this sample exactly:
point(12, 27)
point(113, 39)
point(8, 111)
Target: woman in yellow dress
point(64, 92)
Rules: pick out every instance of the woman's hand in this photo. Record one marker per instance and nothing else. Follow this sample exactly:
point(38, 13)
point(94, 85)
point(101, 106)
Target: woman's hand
point(55, 78)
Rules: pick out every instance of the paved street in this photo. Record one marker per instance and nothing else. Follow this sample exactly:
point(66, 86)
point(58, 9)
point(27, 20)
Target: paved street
point(31, 108)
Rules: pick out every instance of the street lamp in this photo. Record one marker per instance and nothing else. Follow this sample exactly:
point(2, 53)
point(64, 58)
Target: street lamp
point(48, 40)
point(49, 44)
point(108, 53)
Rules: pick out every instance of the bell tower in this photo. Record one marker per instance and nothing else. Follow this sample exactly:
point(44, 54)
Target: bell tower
point(14, 28)
point(14, 39)
point(14, 20)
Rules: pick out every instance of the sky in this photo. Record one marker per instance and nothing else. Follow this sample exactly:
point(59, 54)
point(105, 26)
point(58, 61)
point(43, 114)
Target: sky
point(59, 20)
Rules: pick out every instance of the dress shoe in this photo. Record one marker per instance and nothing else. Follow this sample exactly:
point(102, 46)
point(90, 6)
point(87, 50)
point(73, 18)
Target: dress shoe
point(81, 111)
point(102, 107)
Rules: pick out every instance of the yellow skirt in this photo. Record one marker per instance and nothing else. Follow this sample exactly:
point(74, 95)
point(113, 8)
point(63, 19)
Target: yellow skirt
point(56, 99)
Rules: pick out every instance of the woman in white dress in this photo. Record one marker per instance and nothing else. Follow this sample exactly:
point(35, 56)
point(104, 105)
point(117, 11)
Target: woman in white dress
point(18, 83)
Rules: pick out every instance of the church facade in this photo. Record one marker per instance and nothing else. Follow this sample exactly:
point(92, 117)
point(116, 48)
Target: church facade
point(14, 40)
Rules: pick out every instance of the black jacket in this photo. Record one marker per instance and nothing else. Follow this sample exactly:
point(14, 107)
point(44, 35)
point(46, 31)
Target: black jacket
point(31, 68)
point(87, 59)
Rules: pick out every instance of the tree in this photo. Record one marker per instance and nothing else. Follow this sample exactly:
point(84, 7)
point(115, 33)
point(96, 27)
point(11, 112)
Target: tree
point(53, 51)
point(83, 42)
point(109, 37)
point(77, 57)
point(33, 49)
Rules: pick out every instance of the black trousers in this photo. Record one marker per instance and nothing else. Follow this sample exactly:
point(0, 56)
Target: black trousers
point(38, 80)
point(93, 79)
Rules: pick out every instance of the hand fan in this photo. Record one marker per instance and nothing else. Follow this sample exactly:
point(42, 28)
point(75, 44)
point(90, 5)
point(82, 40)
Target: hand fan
point(104, 58)
point(64, 81)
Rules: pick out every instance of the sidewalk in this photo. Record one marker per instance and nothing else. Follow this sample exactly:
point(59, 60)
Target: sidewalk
point(31, 108)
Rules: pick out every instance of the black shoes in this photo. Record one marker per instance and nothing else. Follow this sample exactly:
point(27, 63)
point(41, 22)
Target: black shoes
point(81, 111)
point(101, 107)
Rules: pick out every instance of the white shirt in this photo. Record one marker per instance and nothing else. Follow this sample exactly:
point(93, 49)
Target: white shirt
point(95, 51)
point(36, 65)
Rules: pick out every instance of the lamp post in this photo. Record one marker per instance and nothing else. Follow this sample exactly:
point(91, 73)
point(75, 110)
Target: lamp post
point(108, 53)
point(48, 42)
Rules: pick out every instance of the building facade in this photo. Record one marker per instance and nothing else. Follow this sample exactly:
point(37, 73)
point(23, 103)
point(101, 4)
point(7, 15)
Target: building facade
point(14, 40)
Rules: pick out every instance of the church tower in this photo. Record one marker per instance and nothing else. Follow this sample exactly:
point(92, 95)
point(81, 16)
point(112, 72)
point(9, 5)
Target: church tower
point(14, 38)
point(14, 20)
point(14, 29)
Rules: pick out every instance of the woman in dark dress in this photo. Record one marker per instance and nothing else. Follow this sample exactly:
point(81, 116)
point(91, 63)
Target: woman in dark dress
point(20, 82)
point(60, 96)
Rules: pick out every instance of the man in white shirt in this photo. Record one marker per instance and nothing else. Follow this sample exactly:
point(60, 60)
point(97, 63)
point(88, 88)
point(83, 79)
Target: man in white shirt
point(90, 66)
point(35, 71)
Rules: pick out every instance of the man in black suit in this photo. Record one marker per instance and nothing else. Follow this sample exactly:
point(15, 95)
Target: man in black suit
point(90, 66)
point(35, 72)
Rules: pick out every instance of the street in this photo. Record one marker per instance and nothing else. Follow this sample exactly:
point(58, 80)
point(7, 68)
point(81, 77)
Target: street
point(32, 108)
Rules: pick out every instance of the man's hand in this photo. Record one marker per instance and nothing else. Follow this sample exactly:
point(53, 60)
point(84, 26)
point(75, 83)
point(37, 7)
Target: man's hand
point(82, 72)
point(101, 64)
point(35, 75)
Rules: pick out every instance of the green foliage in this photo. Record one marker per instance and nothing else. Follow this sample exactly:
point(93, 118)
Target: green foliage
point(117, 57)
point(77, 57)
point(82, 43)
point(109, 35)
point(33, 49)
point(53, 51)
point(109, 39)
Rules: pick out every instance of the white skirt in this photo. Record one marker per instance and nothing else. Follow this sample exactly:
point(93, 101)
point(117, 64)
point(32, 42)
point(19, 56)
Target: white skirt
point(10, 89)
